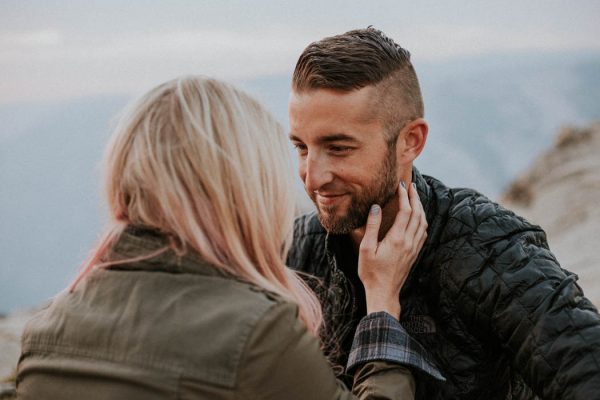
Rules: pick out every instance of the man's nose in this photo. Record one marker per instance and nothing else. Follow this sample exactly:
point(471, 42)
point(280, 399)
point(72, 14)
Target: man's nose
point(315, 172)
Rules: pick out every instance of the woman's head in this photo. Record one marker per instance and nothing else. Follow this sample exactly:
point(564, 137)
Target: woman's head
point(204, 162)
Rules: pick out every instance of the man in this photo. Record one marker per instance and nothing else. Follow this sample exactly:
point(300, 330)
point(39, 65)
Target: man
point(485, 297)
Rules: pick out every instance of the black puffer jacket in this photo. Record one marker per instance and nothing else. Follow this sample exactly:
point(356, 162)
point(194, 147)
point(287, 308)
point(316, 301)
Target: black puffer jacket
point(486, 298)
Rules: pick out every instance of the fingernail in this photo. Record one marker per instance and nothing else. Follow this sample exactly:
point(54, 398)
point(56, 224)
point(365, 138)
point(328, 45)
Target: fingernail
point(375, 209)
point(414, 186)
point(402, 184)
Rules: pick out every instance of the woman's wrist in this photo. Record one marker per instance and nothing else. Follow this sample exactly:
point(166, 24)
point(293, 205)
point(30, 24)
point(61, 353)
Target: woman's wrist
point(391, 305)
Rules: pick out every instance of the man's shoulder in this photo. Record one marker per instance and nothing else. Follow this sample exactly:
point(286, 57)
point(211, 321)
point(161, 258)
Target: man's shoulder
point(475, 236)
point(468, 213)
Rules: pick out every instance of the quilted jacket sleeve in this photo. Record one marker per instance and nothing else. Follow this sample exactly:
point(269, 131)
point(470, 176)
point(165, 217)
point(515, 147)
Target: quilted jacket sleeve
point(516, 293)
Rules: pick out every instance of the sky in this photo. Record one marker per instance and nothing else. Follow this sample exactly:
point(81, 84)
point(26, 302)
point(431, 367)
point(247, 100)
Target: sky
point(56, 50)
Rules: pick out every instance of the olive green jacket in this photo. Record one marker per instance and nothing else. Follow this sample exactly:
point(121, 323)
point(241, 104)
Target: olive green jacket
point(174, 327)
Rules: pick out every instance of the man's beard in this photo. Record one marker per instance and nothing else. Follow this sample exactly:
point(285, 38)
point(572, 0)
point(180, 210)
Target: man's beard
point(381, 190)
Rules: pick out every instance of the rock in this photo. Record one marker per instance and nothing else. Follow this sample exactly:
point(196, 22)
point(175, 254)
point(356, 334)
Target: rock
point(561, 193)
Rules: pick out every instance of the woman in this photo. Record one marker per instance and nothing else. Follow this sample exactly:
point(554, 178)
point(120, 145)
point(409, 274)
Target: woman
point(187, 295)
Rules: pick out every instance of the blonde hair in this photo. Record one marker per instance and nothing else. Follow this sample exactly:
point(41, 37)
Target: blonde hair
point(204, 162)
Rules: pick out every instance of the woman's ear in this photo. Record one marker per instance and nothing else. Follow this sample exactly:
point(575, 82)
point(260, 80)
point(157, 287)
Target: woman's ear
point(411, 140)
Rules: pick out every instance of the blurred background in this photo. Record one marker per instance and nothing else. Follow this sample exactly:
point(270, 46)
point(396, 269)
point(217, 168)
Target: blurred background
point(499, 79)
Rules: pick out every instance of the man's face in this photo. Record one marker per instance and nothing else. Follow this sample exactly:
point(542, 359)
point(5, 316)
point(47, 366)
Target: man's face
point(345, 163)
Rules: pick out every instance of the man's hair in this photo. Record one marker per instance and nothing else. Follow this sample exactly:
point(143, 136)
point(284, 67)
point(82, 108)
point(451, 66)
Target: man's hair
point(359, 58)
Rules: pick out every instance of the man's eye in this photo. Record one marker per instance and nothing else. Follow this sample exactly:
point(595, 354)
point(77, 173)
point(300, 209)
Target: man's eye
point(300, 148)
point(339, 149)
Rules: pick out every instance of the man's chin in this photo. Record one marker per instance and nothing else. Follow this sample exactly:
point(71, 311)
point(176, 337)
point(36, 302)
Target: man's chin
point(337, 224)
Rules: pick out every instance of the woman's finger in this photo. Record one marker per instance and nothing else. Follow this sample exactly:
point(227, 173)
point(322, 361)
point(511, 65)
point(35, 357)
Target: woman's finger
point(422, 235)
point(415, 218)
point(371, 238)
point(424, 225)
point(397, 230)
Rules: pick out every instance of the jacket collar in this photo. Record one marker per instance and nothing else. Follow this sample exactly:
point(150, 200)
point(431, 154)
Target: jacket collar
point(426, 195)
point(148, 249)
point(425, 192)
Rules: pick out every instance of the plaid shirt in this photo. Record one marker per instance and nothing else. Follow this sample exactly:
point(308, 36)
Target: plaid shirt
point(379, 336)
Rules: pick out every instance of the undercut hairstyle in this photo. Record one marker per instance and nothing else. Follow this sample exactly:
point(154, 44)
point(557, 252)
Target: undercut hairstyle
point(360, 58)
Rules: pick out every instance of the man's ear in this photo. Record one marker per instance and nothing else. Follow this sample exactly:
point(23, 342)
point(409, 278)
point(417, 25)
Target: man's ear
point(411, 140)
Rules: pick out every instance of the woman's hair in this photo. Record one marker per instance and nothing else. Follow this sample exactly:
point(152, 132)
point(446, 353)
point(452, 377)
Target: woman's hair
point(205, 163)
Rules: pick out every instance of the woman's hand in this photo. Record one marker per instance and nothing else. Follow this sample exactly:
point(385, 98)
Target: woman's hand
point(384, 265)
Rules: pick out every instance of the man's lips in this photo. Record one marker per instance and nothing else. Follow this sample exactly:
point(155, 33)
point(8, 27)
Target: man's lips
point(329, 199)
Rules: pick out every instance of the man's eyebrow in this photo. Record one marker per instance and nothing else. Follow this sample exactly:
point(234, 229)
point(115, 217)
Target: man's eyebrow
point(337, 137)
point(334, 137)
